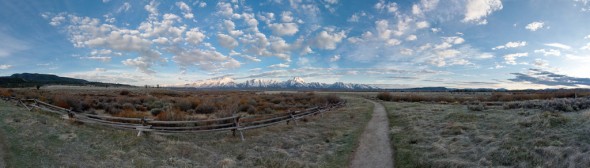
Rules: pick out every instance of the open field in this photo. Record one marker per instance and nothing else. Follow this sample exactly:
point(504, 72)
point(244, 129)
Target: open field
point(39, 139)
point(453, 135)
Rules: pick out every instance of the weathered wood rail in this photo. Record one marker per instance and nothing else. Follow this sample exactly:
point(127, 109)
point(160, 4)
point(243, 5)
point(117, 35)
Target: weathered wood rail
point(234, 123)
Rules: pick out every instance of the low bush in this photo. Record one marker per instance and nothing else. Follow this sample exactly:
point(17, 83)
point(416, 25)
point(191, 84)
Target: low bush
point(156, 111)
point(124, 92)
point(385, 96)
point(205, 109)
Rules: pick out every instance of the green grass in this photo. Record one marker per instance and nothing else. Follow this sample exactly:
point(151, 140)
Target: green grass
point(447, 135)
point(39, 139)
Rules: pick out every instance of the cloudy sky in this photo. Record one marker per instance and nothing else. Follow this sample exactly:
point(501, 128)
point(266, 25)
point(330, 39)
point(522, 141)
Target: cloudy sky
point(455, 43)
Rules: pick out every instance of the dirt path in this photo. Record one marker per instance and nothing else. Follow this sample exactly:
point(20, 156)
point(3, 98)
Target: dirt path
point(374, 149)
point(2, 152)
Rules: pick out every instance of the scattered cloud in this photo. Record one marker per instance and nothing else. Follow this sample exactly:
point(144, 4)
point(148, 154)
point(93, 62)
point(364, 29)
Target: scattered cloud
point(541, 63)
point(477, 10)
point(559, 45)
point(5, 66)
point(328, 40)
point(282, 29)
point(512, 44)
point(186, 10)
point(281, 65)
point(511, 58)
point(537, 76)
point(534, 26)
point(549, 52)
point(334, 58)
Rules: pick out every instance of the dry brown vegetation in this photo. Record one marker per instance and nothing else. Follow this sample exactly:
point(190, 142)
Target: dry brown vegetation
point(461, 97)
point(174, 105)
point(514, 129)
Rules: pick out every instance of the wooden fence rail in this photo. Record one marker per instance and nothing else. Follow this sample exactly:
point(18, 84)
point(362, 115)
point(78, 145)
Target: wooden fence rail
point(233, 123)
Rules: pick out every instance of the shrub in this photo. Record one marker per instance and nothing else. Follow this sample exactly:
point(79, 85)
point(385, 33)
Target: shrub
point(385, 96)
point(205, 109)
point(332, 99)
point(171, 116)
point(476, 107)
point(124, 92)
point(128, 106)
point(184, 105)
point(131, 114)
point(156, 111)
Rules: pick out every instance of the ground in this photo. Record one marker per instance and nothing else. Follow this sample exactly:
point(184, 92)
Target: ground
point(371, 151)
point(451, 135)
point(38, 139)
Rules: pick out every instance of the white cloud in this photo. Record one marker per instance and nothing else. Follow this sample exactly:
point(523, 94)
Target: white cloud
point(354, 18)
point(202, 4)
point(186, 10)
point(478, 10)
point(511, 44)
point(511, 58)
point(549, 52)
point(335, 58)
point(587, 37)
point(454, 40)
point(559, 45)
point(422, 24)
point(391, 7)
point(329, 40)
point(406, 51)
point(534, 26)
point(411, 37)
point(281, 65)
point(124, 8)
point(541, 63)
point(586, 47)
point(99, 58)
point(393, 42)
point(416, 10)
point(282, 29)
point(227, 41)
point(383, 30)
point(5, 66)
point(152, 7)
point(204, 59)
point(287, 16)
point(57, 20)
point(100, 69)
point(424, 6)
point(195, 36)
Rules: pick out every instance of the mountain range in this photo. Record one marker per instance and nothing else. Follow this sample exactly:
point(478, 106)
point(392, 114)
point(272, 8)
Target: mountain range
point(296, 83)
point(34, 79)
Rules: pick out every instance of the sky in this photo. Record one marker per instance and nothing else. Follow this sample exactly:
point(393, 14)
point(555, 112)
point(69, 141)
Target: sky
point(514, 44)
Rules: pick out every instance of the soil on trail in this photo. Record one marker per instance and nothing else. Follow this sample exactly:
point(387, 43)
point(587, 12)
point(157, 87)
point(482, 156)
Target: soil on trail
point(2, 151)
point(374, 149)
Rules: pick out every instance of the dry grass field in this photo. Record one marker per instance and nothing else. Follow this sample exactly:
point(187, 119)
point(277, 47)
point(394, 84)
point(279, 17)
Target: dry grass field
point(39, 139)
point(531, 133)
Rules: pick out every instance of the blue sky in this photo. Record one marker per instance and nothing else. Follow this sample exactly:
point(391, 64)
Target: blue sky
point(455, 43)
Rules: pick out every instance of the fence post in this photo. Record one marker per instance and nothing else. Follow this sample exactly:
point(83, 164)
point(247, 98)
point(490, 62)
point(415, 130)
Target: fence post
point(293, 117)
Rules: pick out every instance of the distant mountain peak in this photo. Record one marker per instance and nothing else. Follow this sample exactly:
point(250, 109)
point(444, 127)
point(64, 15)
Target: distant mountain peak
point(294, 83)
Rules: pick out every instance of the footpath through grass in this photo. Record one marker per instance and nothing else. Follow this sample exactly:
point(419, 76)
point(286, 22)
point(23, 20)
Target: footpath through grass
point(448, 135)
point(38, 139)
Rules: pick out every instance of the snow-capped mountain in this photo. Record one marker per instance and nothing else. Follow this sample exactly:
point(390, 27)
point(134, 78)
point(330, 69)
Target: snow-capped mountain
point(221, 82)
point(295, 83)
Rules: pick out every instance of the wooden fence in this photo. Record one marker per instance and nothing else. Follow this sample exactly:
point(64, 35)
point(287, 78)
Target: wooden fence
point(234, 123)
